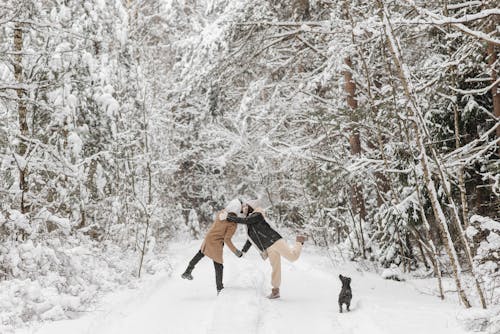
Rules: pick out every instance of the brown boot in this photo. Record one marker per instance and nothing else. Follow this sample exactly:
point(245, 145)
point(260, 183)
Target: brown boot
point(275, 293)
point(301, 238)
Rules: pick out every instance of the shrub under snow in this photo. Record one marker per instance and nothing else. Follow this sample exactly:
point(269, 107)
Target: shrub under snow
point(393, 273)
point(53, 276)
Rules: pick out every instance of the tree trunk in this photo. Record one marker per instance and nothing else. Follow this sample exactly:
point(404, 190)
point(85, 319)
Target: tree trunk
point(420, 132)
point(455, 217)
point(461, 173)
point(463, 195)
point(144, 243)
point(491, 53)
point(354, 139)
point(422, 253)
point(355, 145)
point(22, 110)
point(431, 249)
point(443, 227)
point(350, 86)
point(492, 58)
point(90, 182)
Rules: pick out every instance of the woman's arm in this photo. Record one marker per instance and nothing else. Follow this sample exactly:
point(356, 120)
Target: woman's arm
point(247, 246)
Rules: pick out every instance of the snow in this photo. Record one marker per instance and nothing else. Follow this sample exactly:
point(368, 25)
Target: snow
point(467, 18)
point(64, 224)
point(393, 273)
point(109, 104)
point(486, 223)
point(75, 144)
point(17, 221)
point(100, 179)
point(471, 231)
point(480, 320)
point(167, 304)
point(193, 223)
point(58, 278)
point(457, 22)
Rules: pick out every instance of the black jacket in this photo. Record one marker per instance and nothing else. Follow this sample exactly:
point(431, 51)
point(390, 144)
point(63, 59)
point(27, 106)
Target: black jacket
point(259, 231)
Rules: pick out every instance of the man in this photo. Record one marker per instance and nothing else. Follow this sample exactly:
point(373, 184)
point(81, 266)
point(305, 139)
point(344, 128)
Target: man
point(268, 241)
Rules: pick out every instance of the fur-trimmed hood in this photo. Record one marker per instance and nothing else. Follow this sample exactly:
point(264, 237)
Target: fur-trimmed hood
point(233, 206)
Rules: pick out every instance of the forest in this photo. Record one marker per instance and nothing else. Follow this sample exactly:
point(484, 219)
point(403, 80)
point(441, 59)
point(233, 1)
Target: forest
point(372, 126)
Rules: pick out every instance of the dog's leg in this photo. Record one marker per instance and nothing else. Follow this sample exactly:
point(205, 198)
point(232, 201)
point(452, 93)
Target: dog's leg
point(340, 307)
point(348, 304)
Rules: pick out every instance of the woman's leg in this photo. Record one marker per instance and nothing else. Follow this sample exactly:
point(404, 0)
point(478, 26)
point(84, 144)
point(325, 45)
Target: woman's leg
point(275, 261)
point(219, 270)
point(289, 253)
point(198, 256)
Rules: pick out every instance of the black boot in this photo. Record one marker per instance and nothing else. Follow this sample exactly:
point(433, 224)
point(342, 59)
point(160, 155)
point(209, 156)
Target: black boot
point(219, 269)
point(187, 274)
point(192, 263)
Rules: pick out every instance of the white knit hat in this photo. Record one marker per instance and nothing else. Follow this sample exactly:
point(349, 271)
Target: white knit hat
point(254, 203)
point(234, 206)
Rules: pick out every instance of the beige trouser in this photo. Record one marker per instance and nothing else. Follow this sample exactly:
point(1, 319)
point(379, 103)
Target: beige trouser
point(275, 252)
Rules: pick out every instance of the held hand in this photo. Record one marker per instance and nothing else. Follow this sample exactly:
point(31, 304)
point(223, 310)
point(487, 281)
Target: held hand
point(238, 253)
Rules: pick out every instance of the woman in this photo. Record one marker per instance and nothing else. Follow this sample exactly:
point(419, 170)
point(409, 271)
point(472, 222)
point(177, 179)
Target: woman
point(268, 241)
point(220, 233)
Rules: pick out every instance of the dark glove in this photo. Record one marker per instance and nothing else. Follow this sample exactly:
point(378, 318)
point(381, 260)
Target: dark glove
point(238, 253)
point(231, 219)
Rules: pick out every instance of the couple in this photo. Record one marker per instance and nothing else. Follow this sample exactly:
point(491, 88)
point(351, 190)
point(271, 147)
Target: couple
point(260, 234)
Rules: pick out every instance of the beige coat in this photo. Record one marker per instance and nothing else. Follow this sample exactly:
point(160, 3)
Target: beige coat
point(220, 233)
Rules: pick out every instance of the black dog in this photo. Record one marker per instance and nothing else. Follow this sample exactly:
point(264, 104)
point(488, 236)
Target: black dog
point(345, 295)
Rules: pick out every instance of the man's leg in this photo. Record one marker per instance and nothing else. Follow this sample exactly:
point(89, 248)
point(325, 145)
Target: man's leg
point(219, 270)
point(289, 253)
point(192, 264)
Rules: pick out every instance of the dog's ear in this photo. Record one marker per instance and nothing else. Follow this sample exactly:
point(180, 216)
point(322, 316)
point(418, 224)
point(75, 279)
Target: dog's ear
point(340, 277)
point(348, 280)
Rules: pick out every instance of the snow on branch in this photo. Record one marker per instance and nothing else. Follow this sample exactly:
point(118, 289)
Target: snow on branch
point(469, 17)
point(58, 28)
point(471, 151)
point(286, 23)
point(436, 19)
point(479, 91)
point(486, 222)
point(464, 5)
point(15, 86)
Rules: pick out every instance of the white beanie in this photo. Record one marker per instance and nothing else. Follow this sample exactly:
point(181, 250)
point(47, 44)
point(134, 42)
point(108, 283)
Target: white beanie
point(234, 206)
point(254, 203)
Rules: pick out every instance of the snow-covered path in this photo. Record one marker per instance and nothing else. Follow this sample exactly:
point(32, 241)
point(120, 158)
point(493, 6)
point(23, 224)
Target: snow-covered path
point(308, 304)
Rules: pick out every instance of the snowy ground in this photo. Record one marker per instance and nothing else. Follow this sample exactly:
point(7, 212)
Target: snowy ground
point(308, 303)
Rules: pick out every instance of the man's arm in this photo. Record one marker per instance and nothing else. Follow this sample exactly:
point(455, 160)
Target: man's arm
point(252, 219)
point(247, 246)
